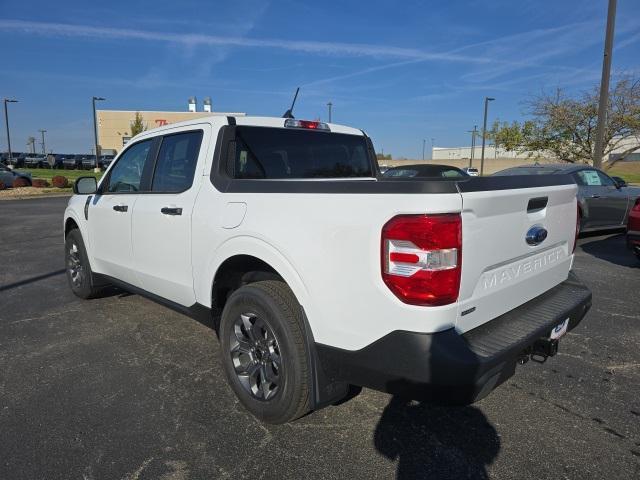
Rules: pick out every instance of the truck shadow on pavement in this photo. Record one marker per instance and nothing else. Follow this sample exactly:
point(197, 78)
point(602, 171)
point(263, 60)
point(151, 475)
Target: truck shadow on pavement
point(612, 249)
point(33, 279)
point(436, 442)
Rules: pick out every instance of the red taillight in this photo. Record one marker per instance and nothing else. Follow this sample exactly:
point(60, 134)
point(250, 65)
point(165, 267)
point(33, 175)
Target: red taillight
point(636, 207)
point(422, 258)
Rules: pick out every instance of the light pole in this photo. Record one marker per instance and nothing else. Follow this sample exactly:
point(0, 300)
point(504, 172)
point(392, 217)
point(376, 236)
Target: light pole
point(95, 126)
point(473, 133)
point(424, 142)
point(44, 150)
point(6, 121)
point(604, 84)
point(329, 105)
point(484, 131)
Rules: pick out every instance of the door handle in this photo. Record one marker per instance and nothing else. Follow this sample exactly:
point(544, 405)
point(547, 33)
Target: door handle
point(595, 195)
point(121, 208)
point(171, 211)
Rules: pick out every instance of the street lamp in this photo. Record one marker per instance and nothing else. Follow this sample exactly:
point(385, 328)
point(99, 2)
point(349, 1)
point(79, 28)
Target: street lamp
point(6, 120)
point(95, 125)
point(44, 150)
point(473, 133)
point(424, 142)
point(484, 131)
point(329, 105)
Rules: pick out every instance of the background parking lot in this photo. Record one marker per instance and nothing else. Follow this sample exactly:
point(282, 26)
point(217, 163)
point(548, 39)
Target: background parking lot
point(120, 387)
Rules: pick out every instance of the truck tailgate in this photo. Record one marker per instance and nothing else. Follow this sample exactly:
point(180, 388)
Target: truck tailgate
point(500, 269)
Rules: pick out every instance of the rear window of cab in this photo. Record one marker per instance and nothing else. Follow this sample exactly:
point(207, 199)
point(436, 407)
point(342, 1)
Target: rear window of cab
point(279, 153)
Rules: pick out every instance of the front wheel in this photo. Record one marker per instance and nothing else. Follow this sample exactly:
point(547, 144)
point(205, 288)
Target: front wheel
point(79, 275)
point(264, 353)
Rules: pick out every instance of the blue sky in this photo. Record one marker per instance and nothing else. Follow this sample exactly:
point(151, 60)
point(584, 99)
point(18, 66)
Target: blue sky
point(402, 71)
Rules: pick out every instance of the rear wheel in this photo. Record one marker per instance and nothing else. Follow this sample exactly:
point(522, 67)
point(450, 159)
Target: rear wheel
point(79, 275)
point(264, 351)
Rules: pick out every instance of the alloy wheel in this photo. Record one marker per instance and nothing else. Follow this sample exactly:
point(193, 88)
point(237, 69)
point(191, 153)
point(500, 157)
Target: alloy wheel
point(74, 266)
point(255, 355)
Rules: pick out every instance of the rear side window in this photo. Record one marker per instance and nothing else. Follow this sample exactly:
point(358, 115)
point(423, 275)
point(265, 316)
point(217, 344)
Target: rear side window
point(127, 172)
point(279, 153)
point(176, 162)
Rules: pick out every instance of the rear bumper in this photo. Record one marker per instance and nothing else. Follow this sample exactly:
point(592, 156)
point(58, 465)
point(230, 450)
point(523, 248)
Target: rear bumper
point(450, 367)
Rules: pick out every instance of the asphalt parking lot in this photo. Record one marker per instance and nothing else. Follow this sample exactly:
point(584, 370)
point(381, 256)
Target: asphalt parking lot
point(120, 387)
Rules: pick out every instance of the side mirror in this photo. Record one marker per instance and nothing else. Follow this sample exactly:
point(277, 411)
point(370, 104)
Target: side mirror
point(619, 182)
point(85, 186)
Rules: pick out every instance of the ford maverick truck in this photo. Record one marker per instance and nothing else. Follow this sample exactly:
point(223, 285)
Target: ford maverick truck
point(319, 274)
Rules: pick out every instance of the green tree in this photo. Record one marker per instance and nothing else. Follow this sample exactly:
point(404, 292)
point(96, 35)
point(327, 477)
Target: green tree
point(565, 126)
point(137, 126)
point(505, 135)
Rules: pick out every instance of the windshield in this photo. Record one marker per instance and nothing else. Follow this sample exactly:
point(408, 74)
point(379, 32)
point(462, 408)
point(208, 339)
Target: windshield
point(264, 152)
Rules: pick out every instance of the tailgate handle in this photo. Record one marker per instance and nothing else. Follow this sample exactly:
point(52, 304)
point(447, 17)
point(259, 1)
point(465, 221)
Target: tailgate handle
point(536, 204)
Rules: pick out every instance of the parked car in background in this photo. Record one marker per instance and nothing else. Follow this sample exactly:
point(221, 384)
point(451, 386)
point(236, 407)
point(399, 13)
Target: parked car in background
point(471, 171)
point(422, 170)
point(633, 229)
point(383, 168)
point(16, 160)
point(7, 175)
point(105, 161)
point(89, 162)
point(603, 203)
point(35, 160)
point(58, 160)
point(73, 162)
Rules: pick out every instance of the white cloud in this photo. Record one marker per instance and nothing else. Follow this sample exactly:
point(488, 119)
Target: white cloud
point(194, 39)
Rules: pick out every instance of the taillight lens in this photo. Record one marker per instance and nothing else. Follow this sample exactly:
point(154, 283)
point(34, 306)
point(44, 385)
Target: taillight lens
point(422, 258)
point(308, 124)
point(636, 207)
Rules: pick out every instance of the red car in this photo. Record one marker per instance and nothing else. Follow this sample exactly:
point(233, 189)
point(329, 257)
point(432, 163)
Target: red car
point(633, 229)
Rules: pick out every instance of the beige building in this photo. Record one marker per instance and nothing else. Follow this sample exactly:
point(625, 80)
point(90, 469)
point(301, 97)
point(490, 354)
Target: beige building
point(114, 126)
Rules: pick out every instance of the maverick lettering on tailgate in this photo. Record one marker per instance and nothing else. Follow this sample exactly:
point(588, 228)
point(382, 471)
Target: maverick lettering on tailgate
point(520, 269)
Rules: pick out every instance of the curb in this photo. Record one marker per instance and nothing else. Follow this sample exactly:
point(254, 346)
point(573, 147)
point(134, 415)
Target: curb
point(32, 197)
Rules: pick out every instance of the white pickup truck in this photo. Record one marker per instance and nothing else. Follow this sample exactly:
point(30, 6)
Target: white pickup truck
point(320, 275)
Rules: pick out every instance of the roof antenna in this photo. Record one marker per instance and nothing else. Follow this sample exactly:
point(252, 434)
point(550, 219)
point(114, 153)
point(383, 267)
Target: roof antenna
point(289, 113)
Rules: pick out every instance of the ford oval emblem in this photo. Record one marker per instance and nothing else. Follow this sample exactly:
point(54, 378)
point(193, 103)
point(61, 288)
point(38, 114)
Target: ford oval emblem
point(536, 235)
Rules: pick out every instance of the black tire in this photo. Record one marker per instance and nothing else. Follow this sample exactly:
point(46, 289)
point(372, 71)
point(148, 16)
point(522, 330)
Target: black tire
point(277, 318)
point(79, 275)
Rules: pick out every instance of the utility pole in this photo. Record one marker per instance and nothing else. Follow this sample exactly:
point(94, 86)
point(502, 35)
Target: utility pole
point(95, 126)
point(6, 121)
point(424, 142)
point(329, 105)
point(473, 133)
point(44, 151)
point(484, 131)
point(604, 84)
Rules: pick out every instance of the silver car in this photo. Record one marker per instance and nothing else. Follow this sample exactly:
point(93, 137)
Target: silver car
point(604, 203)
